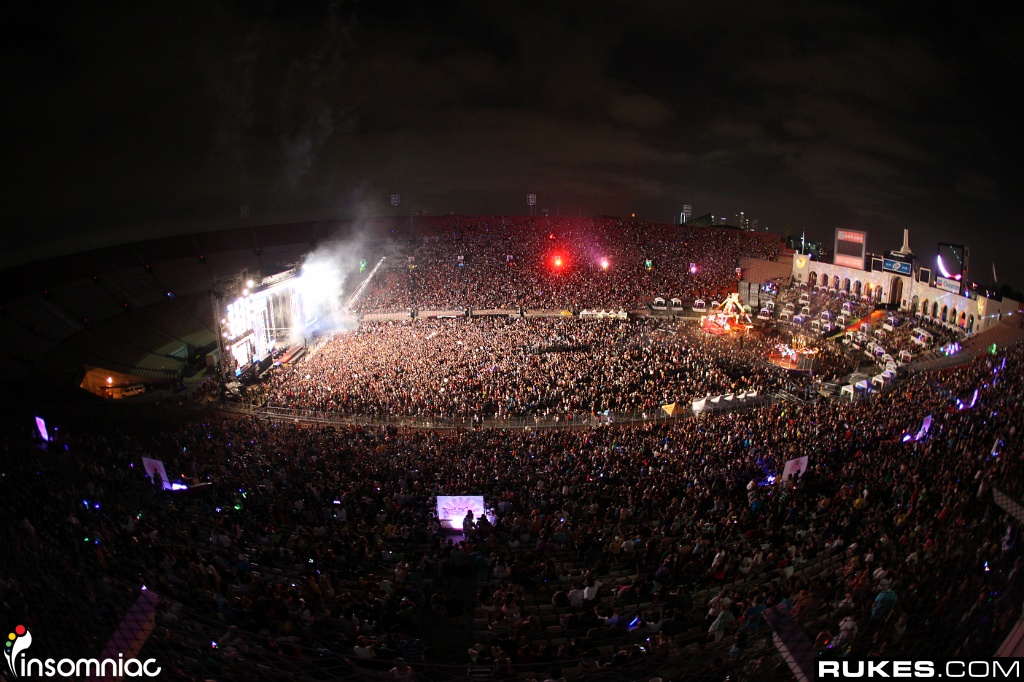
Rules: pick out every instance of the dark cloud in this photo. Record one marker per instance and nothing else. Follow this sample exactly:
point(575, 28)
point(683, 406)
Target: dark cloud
point(128, 121)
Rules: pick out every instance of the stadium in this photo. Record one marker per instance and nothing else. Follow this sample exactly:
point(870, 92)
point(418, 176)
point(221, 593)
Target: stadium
point(461, 446)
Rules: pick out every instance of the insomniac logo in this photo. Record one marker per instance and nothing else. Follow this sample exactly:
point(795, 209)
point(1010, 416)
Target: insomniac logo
point(16, 643)
point(21, 665)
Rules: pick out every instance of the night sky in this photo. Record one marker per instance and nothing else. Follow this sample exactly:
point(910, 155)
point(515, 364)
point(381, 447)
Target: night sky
point(129, 121)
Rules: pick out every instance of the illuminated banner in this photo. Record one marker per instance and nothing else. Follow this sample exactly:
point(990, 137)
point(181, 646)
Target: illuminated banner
point(41, 426)
point(947, 284)
point(849, 248)
point(793, 467)
point(156, 472)
point(451, 509)
point(896, 266)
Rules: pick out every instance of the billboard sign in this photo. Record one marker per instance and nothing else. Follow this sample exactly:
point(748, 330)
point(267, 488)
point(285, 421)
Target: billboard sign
point(849, 248)
point(899, 267)
point(951, 264)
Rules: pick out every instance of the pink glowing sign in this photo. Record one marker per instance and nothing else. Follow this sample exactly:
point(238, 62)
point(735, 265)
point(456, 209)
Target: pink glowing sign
point(41, 425)
point(451, 509)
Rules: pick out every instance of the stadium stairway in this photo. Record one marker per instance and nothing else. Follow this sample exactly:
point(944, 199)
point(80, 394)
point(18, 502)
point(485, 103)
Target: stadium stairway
point(449, 636)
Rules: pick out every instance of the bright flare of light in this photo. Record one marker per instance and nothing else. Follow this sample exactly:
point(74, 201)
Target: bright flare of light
point(604, 263)
point(558, 261)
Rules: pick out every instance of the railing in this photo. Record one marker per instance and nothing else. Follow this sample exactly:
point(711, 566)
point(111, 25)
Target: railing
point(652, 416)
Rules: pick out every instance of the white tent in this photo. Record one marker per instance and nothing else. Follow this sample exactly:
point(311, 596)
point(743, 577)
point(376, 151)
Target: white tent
point(921, 337)
point(846, 390)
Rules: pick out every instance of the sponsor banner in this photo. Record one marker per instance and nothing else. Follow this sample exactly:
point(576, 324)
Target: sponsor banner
point(901, 267)
point(850, 262)
point(850, 236)
point(947, 284)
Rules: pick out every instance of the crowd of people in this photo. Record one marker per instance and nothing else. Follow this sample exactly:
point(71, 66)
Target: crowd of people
point(654, 550)
point(557, 263)
point(469, 370)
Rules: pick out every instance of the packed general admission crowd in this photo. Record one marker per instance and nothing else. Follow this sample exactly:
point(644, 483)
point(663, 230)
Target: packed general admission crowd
point(630, 552)
point(495, 368)
point(510, 263)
